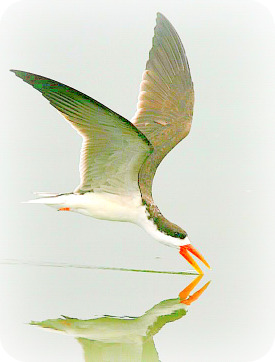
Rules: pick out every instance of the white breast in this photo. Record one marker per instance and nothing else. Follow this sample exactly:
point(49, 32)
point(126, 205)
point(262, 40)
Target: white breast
point(151, 228)
point(106, 206)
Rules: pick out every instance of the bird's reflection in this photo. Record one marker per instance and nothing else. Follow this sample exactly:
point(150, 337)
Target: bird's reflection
point(118, 339)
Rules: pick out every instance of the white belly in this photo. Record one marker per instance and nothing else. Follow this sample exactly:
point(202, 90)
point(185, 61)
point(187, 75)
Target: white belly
point(124, 208)
point(105, 206)
point(112, 207)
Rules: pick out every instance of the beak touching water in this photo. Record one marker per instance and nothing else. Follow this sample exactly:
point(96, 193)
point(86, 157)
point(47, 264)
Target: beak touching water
point(185, 250)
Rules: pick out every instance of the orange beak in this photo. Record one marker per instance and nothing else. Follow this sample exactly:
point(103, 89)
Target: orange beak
point(184, 249)
point(185, 296)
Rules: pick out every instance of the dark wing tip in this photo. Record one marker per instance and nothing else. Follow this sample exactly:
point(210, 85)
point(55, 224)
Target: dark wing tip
point(47, 86)
point(17, 72)
point(27, 77)
point(162, 18)
point(160, 15)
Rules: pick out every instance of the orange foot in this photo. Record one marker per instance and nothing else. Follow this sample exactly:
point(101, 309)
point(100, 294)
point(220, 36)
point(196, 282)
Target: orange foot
point(64, 209)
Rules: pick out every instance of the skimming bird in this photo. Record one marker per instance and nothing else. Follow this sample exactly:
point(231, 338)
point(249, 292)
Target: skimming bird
point(119, 158)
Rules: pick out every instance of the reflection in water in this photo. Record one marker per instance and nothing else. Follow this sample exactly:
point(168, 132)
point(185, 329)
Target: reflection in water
point(124, 339)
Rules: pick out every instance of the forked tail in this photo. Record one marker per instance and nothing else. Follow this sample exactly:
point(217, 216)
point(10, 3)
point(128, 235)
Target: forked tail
point(50, 199)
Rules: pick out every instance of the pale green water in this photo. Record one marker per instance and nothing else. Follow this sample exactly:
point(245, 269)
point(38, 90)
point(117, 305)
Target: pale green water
point(105, 298)
point(114, 338)
point(131, 316)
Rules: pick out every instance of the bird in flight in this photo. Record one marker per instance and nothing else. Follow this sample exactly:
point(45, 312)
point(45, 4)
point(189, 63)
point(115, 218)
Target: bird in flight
point(119, 158)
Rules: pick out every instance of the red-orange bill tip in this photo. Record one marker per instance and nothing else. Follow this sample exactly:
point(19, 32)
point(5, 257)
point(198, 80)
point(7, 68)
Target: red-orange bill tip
point(197, 254)
point(195, 296)
point(184, 252)
point(187, 290)
point(190, 260)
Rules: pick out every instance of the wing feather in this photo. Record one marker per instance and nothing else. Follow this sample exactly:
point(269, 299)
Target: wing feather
point(166, 99)
point(113, 149)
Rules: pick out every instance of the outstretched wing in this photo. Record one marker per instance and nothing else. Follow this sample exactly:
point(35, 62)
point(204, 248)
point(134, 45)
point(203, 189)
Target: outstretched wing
point(113, 149)
point(166, 99)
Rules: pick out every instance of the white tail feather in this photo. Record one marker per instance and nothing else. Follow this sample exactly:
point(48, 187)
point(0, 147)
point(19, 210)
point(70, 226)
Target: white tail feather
point(45, 194)
point(50, 199)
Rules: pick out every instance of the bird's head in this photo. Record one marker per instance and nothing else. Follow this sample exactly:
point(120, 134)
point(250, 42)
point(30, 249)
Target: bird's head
point(186, 247)
point(175, 235)
point(171, 234)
